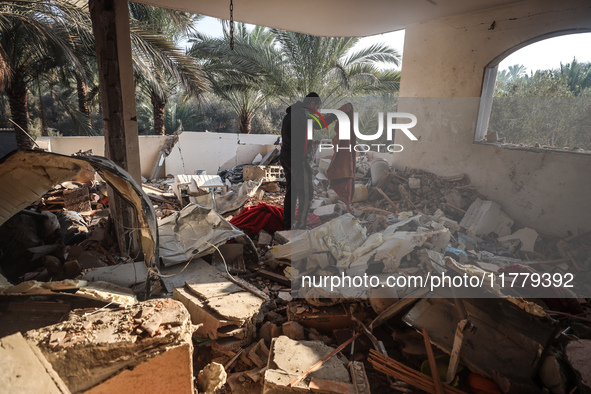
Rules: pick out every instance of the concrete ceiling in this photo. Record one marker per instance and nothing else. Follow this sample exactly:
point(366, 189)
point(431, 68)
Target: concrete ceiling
point(332, 17)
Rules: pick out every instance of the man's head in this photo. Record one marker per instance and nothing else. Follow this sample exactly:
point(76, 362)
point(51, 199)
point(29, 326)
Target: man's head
point(312, 101)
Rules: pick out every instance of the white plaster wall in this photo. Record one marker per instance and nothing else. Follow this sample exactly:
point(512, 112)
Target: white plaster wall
point(216, 151)
point(442, 73)
point(149, 146)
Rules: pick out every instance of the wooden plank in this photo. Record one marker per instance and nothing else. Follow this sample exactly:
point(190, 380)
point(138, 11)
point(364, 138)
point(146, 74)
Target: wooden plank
point(432, 363)
point(274, 277)
point(394, 206)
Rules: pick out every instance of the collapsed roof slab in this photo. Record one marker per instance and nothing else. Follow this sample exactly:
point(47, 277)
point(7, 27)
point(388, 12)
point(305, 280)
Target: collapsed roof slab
point(27, 175)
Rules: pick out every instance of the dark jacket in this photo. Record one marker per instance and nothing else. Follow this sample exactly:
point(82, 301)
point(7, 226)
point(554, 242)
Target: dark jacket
point(293, 132)
point(295, 120)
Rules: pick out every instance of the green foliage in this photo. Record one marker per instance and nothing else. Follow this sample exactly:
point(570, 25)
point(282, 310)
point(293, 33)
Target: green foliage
point(551, 107)
point(270, 65)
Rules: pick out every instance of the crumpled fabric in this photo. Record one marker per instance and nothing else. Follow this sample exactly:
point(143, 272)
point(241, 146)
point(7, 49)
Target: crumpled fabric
point(263, 216)
point(341, 171)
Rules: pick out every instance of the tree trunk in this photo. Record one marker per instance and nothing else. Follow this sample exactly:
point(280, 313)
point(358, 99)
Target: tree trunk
point(83, 105)
point(42, 112)
point(244, 122)
point(110, 25)
point(158, 105)
point(19, 111)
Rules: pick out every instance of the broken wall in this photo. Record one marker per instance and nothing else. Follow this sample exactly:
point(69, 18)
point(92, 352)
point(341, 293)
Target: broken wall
point(150, 146)
point(441, 82)
point(216, 151)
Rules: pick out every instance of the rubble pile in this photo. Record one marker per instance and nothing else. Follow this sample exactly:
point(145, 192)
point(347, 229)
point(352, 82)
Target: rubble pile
point(257, 307)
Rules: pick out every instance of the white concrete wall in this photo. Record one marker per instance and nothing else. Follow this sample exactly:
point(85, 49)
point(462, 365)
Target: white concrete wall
point(216, 151)
point(194, 151)
point(442, 75)
point(150, 145)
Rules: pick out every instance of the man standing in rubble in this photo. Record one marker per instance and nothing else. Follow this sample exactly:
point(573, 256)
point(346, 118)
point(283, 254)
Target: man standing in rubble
point(295, 159)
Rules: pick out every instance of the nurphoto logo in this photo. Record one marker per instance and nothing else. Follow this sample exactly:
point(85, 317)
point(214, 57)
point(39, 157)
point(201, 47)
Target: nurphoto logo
point(345, 130)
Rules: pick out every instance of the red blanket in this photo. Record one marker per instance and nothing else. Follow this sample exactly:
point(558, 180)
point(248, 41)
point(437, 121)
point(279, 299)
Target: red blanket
point(264, 216)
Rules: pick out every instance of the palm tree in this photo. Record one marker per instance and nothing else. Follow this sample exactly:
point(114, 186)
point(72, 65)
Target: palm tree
point(232, 78)
point(274, 64)
point(35, 37)
point(516, 72)
point(578, 75)
point(160, 66)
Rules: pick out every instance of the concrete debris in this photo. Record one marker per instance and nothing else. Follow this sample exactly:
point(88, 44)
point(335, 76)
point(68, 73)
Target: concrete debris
point(293, 330)
point(264, 238)
point(242, 298)
point(263, 173)
point(414, 183)
point(289, 358)
point(258, 158)
point(211, 378)
point(24, 370)
point(527, 236)
point(221, 308)
point(82, 350)
point(578, 354)
point(485, 217)
point(101, 291)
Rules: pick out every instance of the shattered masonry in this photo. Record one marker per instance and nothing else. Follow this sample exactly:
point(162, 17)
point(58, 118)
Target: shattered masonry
point(229, 311)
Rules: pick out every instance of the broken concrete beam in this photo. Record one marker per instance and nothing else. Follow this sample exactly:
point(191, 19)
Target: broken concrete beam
point(484, 217)
point(106, 343)
point(23, 369)
point(288, 359)
point(450, 224)
point(211, 325)
point(224, 308)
